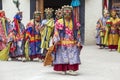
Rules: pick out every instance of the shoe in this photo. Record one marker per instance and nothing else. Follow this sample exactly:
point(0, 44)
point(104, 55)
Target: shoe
point(71, 72)
point(23, 60)
point(110, 50)
point(42, 60)
point(65, 72)
point(39, 60)
point(9, 59)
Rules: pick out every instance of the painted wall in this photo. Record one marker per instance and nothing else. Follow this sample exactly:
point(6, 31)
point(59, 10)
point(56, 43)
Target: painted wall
point(93, 11)
point(11, 9)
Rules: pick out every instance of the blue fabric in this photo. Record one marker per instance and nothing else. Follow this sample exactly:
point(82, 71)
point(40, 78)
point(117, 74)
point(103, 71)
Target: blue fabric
point(29, 29)
point(7, 27)
point(97, 36)
point(20, 48)
point(75, 3)
point(61, 33)
point(18, 16)
point(19, 43)
point(32, 31)
point(65, 55)
point(34, 48)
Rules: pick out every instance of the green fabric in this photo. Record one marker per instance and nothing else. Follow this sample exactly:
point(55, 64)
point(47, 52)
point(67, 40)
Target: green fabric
point(106, 37)
point(4, 54)
point(47, 33)
point(118, 45)
point(27, 50)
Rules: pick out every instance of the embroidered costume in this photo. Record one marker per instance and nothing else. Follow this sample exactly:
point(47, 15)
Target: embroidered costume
point(33, 37)
point(66, 38)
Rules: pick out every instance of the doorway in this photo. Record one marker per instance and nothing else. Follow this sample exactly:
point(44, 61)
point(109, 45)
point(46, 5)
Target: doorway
point(55, 4)
point(0, 4)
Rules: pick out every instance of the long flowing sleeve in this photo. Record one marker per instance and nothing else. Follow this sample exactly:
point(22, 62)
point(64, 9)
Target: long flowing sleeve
point(78, 36)
point(77, 32)
point(56, 37)
point(28, 32)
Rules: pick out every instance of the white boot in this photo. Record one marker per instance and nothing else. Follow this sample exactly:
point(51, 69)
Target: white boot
point(23, 59)
point(71, 72)
point(9, 59)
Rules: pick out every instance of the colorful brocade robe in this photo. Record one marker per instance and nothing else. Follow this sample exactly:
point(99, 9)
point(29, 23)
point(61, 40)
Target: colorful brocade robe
point(113, 36)
point(34, 39)
point(47, 32)
point(67, 51)
point(4, 32)
point(17, 38)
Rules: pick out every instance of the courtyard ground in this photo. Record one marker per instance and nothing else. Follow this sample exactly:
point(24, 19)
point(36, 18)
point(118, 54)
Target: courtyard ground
point(97, 64)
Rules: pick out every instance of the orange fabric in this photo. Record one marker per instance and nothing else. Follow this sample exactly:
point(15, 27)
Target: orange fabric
point(48, 59)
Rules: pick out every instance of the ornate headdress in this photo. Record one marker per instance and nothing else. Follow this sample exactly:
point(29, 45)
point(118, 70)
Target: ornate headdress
point(67, 11)
point(17, 3)
point(49, 12)
point(37, 13)
point(59, 13)
point(18, 15)
point(67, 8)
point(106, 11)
point(113, 12)
point(2, 13)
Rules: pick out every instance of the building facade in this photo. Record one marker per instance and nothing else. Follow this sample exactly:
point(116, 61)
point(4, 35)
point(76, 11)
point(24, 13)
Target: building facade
point(90, 12)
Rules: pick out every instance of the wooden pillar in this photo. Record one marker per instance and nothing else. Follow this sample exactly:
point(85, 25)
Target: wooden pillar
point(37, 5)
point(41, 8)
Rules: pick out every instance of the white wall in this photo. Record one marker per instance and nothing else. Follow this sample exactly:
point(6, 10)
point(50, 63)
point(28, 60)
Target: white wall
point(10, 9)
point(93, 11)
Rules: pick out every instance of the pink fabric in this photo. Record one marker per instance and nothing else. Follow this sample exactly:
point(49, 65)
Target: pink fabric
point(2, 45)
point(78, 24)
point(68, 31)
point(59, 26)
point(3, 36)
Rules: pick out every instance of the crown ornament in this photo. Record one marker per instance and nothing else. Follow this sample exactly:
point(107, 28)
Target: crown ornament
point(49, 10)
point(67, 6)
point(59, 13)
